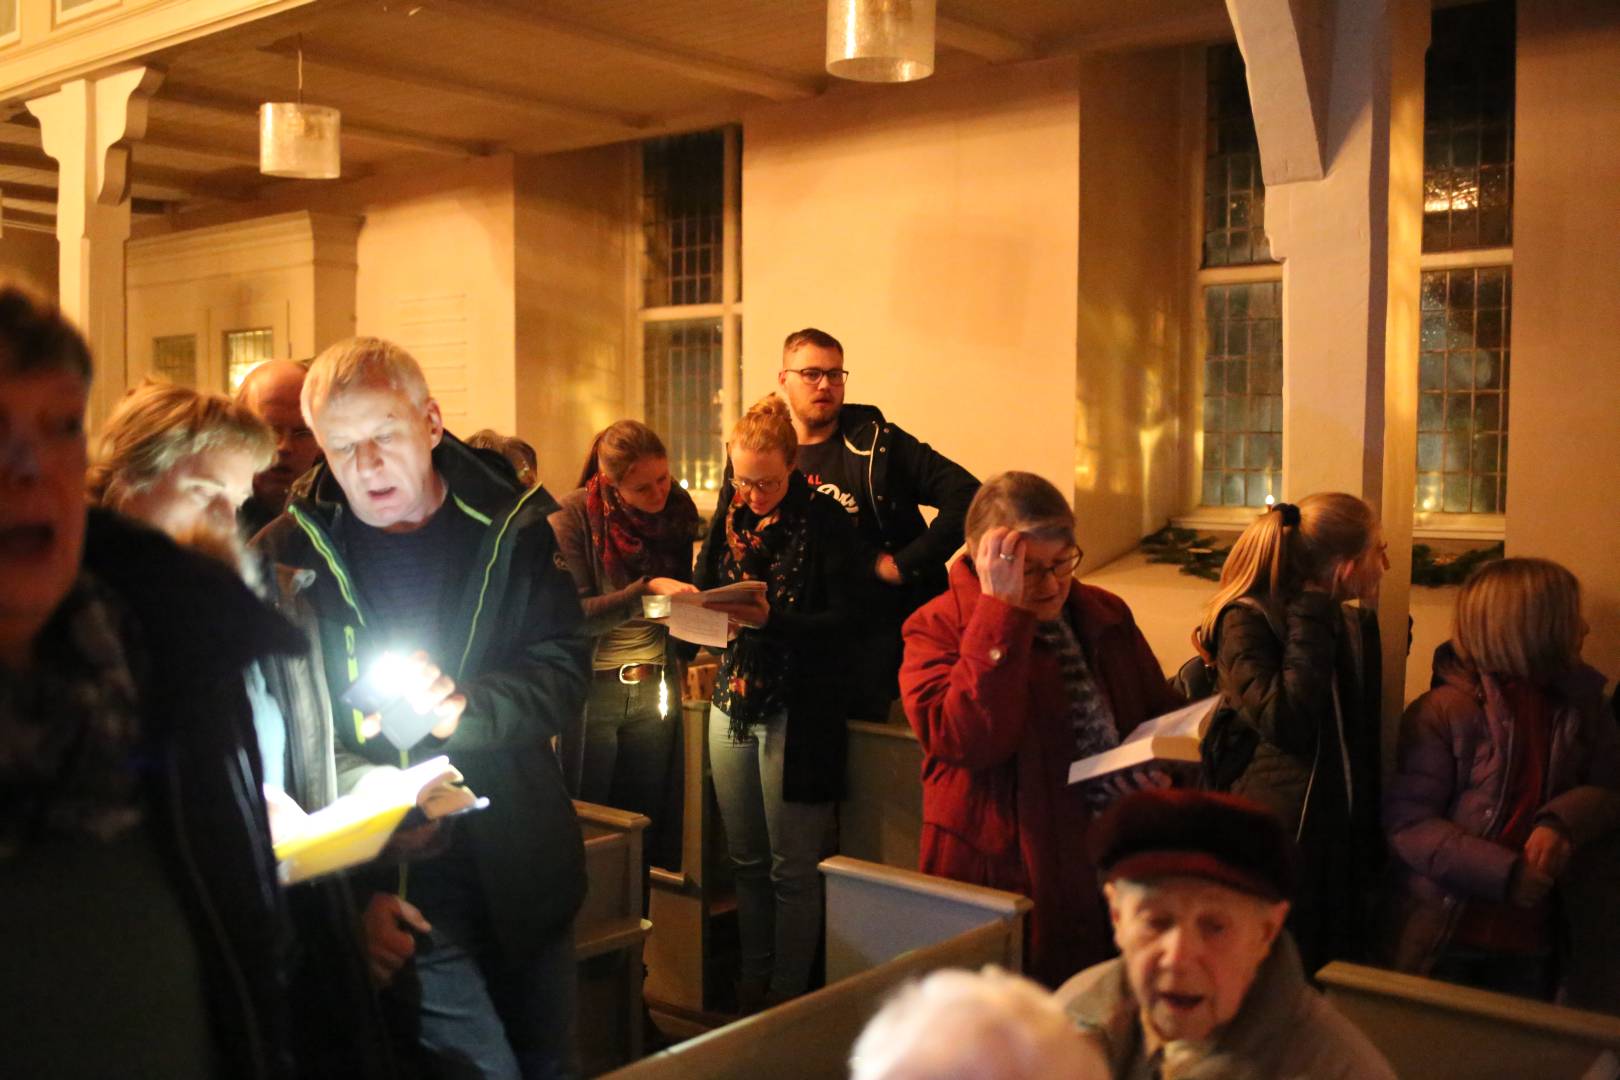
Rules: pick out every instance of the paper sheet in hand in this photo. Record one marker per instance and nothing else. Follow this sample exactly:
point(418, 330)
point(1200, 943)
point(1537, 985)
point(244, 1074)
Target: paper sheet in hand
point(1175, 736)
point(690, 621)
point(356, 828)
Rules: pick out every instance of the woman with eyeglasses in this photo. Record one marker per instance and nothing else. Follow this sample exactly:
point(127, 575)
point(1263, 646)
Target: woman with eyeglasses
point(1014, 673)
point(776, 731)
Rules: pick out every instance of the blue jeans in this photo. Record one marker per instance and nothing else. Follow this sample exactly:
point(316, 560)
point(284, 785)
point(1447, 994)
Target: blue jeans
point(483, 1018)
point(775, 848)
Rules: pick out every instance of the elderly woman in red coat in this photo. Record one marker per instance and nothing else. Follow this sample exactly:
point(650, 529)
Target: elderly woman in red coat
point(1013, 673)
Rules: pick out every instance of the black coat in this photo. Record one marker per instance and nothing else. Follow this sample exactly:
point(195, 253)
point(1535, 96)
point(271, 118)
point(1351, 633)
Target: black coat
point(522, 669)
point(820, 635)
point(199, 628)
point(1316, 767)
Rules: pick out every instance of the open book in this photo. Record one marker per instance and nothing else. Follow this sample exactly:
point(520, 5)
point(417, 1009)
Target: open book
point(1173, 737)
point(356, 828)
point(690, 621)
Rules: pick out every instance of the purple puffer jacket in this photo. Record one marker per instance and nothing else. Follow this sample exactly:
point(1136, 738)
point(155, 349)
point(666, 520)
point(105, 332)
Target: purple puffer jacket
point(1446, 801)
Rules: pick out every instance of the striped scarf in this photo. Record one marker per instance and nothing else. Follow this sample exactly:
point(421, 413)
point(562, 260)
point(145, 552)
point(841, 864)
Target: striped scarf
point(1089, 713)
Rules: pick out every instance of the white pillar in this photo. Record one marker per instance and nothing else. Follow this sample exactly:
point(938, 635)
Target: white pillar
point(1349, 243)
point(87, 126)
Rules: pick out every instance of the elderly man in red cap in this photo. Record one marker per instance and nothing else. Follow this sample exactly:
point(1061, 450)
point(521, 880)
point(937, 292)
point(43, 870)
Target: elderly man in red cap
point(1208, 983)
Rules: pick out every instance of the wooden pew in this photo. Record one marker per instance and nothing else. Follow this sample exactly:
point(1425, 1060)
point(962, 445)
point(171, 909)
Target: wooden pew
point(1440, 1031)
point(879, 924)
point(881, 819)
point(608, 936)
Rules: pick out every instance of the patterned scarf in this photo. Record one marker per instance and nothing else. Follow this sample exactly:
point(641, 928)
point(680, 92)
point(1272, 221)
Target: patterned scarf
point(750, 686)
point(69, 727)
point(1089, 713)
point(635, 544)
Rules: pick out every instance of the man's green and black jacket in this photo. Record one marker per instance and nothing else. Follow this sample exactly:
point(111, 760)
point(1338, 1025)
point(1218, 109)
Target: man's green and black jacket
point(521, 658)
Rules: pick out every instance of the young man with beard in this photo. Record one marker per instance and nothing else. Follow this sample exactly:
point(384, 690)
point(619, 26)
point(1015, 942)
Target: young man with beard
point(881, 475)
point(416, 545)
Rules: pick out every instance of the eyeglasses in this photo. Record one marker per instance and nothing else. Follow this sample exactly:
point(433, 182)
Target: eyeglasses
point(1061, 571)
point(764, 487)
point(814, 375)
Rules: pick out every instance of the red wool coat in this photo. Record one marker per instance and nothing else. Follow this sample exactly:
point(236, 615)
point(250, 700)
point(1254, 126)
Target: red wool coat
point(988, 705)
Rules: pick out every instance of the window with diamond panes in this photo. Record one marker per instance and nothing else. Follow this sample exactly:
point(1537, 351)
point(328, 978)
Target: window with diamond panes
point(1468, 129)
point(1463, 391)
point(1234, 195)
point(1243, 394)
point(682, 361)
point(174, 359)
point(683, 200)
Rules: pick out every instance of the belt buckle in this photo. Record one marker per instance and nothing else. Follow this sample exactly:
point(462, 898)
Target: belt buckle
point(629, 667)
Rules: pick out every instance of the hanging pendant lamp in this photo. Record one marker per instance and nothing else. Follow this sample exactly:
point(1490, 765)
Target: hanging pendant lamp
point(297, 140)
point(880, 40)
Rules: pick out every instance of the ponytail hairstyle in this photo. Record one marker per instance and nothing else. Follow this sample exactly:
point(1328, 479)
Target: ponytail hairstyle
point(619, 446)
point(766, 426)
point(1519, 617)
point(1287, 548)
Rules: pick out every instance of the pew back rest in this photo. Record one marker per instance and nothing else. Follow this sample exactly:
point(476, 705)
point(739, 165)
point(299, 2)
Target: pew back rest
point(1440, 1031)
point(876, 913)
point(809, 1038)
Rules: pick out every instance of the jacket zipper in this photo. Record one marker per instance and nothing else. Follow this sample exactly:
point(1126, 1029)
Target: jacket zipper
point(188, 858)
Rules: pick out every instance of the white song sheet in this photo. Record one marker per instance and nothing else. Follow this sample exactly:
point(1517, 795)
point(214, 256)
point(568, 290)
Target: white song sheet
point(690, 621)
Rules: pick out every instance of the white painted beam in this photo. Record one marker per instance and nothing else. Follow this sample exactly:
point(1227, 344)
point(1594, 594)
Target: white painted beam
point(1288, 54)
point(994, 45)
point(713, 70)
point(539, 109)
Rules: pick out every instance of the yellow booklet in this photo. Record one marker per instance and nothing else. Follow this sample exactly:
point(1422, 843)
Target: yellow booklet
point(356, 828)
point(1173, 738)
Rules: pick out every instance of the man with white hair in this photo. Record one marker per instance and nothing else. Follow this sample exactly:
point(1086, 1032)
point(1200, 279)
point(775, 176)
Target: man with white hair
point(415, 545)
point(1209, 984)
point(962, 1025)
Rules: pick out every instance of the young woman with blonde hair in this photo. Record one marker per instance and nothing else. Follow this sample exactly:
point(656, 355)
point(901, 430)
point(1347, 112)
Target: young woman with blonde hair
point(781, 697)
point(1508, 770)
point(1299, 675)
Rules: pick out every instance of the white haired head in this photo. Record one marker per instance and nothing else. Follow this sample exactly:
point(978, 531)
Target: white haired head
point(361, 362)
point(962, 1025)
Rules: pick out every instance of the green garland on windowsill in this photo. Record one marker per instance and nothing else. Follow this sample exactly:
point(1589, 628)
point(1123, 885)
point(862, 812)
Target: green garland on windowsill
point(1201, 557)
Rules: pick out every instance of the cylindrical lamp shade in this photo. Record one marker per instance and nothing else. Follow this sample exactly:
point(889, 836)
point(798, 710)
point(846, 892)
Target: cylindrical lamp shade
point(880, 40)
point(299, 140)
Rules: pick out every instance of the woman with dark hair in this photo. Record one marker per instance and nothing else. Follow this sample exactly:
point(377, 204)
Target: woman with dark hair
point(627, 532)
point(1016, 671)
point(781, 696)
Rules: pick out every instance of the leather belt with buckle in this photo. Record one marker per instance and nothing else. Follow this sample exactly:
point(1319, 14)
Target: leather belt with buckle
point(631, 674)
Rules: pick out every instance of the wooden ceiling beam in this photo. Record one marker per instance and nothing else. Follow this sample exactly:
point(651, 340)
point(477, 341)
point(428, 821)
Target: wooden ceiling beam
point(209, 107)
point(996, 46)
point(19, 133)
point(42, 193)
point(27, 221)
point(1206, 28)
point(178, 180)
point(712, 70)
point(540, 109)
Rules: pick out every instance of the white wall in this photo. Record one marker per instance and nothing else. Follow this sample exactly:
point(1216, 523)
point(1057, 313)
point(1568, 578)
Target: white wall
point(1564, 464)
point(574, 296)
point(932, 228)
point(1133, 268)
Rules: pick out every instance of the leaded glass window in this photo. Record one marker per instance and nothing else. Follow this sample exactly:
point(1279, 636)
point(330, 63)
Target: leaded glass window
point(1463, 391)
point(245, 350)
point(1234, 195)
point(683, 364)
point(1242, 394)
point(1468, 129)
point(683, 197)
point(174, 359)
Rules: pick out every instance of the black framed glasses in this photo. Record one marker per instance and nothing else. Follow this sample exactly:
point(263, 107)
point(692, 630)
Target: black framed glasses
point(764, 487)
point(1062, 570)
point(813, 375)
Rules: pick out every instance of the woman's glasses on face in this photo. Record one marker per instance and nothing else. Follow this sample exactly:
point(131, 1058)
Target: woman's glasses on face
point(764, 487)
point(1061, 570)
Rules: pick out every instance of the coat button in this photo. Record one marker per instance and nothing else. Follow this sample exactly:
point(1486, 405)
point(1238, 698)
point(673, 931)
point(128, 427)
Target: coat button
point(996, 654)
point(1489, 814)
